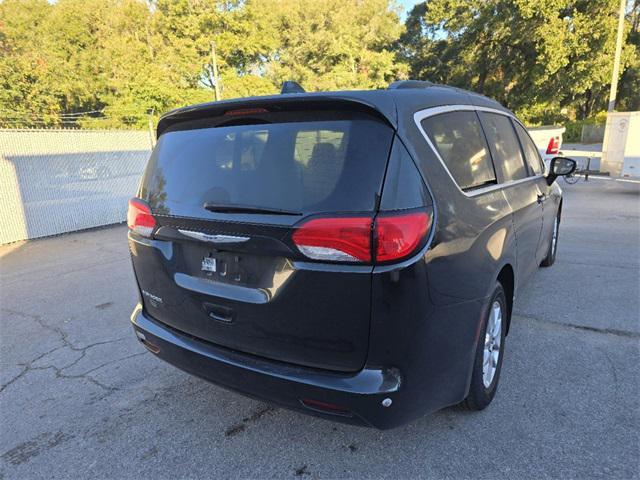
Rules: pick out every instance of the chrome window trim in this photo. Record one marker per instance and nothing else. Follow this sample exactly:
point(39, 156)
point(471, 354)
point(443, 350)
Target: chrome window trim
point(430, 112)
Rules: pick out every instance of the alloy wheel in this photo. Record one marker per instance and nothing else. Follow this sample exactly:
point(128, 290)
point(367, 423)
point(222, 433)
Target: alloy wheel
point(492, 342)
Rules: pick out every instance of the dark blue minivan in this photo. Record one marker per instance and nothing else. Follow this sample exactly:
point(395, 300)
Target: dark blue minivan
point(353, 255)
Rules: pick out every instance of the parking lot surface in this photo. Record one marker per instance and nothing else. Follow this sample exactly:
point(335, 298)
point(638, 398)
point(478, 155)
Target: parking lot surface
point(81, 398)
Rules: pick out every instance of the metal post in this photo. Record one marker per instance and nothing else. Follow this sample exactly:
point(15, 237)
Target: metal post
point(616, 62)
point(152, 136)
point(214, 66)
point(586, 174)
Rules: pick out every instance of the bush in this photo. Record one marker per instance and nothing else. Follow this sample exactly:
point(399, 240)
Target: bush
point(573, 133)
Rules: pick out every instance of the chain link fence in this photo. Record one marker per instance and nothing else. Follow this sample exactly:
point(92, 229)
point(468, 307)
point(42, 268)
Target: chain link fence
point(592, 134)
point(62, 180)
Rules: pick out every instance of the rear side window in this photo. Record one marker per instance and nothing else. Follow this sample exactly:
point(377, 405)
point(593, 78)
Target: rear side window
point(306, 167)
point(460, 142)
point(504, 146)
point(531, 153)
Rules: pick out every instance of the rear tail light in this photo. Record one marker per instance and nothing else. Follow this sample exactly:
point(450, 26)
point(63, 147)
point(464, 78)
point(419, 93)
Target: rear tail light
point(355, 239)
point(399, 235)
point(554, 146)
point(336, 239)
point(139, 218)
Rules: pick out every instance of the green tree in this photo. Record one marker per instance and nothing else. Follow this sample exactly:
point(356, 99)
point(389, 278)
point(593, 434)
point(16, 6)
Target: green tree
point(629, 84)
point(126, 59)
point(67, 57)
point(538, 57)
point(24, 67)
point(243, 41)
point(334, 44)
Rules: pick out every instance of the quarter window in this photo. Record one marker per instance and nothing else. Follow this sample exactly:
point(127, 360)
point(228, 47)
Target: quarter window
point(504, 146)
point(460, 142)
point(530, 150)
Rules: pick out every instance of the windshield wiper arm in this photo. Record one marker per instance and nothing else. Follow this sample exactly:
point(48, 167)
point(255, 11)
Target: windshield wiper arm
point(221, 208)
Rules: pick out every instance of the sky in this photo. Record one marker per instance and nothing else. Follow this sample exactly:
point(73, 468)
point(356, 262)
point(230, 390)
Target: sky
point(407, 5)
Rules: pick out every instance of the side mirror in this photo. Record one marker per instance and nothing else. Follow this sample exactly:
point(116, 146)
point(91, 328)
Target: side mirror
point(560, 166)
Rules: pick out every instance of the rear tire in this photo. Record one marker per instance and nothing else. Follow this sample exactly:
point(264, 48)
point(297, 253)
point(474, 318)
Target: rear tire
point(489, 353)
point(553, 244)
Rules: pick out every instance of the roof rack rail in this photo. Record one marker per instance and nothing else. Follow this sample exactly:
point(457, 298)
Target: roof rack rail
point(290, 86)
point(402, 84)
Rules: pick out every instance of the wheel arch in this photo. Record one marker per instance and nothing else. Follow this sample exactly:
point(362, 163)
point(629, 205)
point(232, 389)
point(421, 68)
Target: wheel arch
point(506, 277)
point(560, 210)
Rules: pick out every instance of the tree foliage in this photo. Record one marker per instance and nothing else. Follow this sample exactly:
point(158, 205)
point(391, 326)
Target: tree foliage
point(127, 59)
point(334, 44)
point(538, 57)
point(629, 85)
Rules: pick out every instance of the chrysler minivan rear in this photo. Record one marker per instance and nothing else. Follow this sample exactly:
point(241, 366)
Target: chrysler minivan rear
point(228, 201)
point(254, 237)
point(354, 255)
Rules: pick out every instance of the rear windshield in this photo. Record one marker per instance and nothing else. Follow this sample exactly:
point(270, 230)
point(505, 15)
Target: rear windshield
point(308, 166)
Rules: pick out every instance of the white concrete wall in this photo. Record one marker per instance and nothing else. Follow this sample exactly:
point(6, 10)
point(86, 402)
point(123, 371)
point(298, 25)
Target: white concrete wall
point(621, 148)
point(56, 181)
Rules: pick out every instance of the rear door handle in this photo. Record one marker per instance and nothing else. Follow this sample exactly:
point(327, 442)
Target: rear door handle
point(219, 313)
point(542, 197)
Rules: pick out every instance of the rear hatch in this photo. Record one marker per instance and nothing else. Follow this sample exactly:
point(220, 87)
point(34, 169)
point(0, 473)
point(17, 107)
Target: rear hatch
point(228, 195)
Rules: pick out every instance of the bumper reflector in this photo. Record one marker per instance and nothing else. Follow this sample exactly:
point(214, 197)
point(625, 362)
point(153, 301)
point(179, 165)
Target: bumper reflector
point(325, 407)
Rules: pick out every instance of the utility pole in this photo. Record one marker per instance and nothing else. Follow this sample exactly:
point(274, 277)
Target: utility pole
point(152, 135)
point(616, 62)
point(214, 67)
point(612, 163)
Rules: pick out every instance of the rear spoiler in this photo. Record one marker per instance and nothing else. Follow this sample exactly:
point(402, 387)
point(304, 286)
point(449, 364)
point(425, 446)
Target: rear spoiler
point(373, 102)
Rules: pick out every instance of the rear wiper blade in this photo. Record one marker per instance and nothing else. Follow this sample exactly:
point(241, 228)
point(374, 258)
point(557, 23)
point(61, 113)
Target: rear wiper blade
point(221, 208)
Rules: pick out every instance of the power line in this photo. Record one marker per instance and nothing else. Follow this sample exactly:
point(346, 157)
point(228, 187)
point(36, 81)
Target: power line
point(74, 115)
point(51, 118)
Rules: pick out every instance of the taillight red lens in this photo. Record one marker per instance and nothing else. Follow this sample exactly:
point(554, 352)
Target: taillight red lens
point(335, 239)
point(554, 146)
point(349, 239)
point(139, 218)
point(399, 235)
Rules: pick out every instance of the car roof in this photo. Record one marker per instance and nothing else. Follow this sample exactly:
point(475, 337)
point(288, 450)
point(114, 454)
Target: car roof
point(401, 99)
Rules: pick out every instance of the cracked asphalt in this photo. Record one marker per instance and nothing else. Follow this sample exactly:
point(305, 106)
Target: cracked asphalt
point(81, 398)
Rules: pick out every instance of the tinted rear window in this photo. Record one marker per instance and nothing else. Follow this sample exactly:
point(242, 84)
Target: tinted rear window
point(459, 139)
point(307, 167)
point(504, 146)
point(530, 150)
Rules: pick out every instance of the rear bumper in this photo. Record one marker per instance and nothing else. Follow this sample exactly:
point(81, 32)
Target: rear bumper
point(361, 393)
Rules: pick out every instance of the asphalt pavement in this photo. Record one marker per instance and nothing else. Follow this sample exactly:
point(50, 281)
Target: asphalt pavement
point(81, 398)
